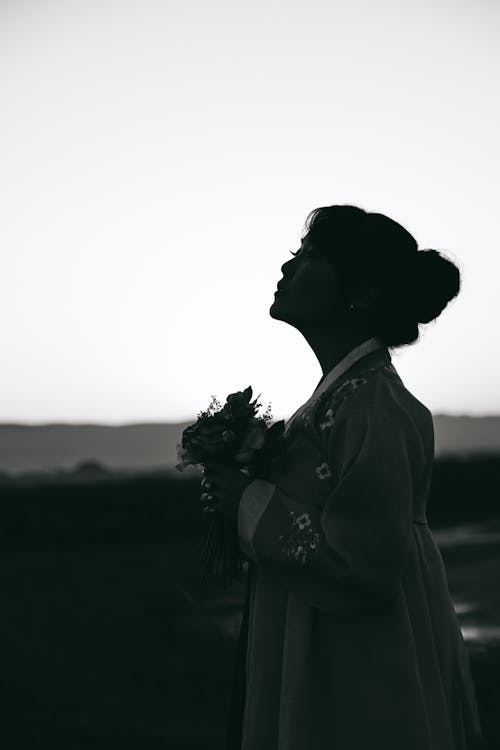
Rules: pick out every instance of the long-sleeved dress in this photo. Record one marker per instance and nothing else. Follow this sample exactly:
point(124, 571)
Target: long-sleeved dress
point(350, 640)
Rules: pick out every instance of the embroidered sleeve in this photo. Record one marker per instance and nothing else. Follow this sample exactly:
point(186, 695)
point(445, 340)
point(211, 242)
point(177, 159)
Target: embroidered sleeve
point(300, 539)
point(348, 555)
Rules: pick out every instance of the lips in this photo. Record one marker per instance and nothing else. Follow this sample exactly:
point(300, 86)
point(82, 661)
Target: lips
point(281, 288)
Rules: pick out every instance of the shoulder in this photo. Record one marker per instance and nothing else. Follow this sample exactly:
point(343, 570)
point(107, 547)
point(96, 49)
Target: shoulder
point(377, 393)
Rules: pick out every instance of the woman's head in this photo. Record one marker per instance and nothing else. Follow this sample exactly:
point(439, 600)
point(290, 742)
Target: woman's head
point(351, 257)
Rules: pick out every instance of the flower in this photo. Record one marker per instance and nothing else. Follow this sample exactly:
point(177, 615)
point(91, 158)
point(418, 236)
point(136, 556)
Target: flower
point(323, 471)
point(355, 382)
point(238, 404)
point(235, 435)
point(184, 457)
point(337, 396)
point(329, 421)
point(315, 541)
point(300, 539)
point(254, 439)
point(303, 520)
point(300, 553)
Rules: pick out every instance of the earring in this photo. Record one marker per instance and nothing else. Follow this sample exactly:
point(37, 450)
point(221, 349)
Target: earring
point(351, 306)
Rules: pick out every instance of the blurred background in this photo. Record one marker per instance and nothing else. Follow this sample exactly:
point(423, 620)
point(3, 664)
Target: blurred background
point(158, 162)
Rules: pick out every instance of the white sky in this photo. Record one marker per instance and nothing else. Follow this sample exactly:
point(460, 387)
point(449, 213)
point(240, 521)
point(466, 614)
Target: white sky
point(158, 161)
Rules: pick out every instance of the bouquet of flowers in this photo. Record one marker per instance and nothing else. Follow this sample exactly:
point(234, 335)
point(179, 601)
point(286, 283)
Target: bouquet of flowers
point(233, 434)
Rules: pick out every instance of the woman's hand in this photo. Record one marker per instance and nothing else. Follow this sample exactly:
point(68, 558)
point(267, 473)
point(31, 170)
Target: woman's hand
point(225, 484)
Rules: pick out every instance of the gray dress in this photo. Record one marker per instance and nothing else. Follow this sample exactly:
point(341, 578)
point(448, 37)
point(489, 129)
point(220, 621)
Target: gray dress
point(353, 642)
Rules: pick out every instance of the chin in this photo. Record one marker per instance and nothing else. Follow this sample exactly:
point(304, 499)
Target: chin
point(277, 313)
point(274, 311)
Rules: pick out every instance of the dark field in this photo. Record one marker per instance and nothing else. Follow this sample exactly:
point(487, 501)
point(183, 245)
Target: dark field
point(110, 640)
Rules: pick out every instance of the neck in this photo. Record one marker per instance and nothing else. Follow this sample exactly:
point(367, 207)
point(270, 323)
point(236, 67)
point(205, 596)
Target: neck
point(332, 345)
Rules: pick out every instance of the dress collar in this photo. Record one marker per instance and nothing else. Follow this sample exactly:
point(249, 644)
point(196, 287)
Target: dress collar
point(366, 347)
point(369, 346)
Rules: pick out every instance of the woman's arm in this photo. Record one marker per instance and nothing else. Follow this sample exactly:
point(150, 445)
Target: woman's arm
point(349, 556)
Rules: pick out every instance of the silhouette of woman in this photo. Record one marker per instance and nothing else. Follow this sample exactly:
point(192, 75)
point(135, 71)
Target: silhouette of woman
point(349, 637)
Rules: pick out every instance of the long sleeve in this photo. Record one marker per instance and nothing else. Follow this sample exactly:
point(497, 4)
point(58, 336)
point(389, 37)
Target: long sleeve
point(347, 556)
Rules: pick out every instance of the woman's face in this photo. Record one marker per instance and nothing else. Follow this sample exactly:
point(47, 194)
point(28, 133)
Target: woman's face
point(312, 295)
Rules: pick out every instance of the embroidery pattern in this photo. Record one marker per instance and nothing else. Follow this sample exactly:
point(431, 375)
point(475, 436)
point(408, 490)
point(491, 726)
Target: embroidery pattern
point(334, 399)
point(392, 372)
point(323, 471)
point(300, 540)
point(329, 421)
point(345, 390)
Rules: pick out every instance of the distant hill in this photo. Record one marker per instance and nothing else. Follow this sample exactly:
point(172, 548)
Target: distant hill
point(466, 434)
point(50, 447)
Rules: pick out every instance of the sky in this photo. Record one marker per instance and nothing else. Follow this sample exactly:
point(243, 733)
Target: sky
point(159, 160)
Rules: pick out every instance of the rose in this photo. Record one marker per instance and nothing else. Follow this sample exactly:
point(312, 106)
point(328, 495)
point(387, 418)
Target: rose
point(238, 404)
point(203, 439)
point(254, 439)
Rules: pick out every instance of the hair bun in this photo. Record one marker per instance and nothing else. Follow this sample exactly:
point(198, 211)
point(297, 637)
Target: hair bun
point(436, 281)
point(370, 252)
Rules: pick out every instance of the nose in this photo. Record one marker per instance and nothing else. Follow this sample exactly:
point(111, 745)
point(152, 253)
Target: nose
point(285, 266)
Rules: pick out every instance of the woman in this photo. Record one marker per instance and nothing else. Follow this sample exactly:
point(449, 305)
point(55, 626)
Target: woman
point(349, 639)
